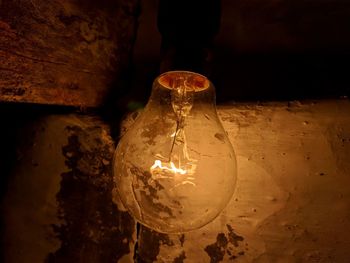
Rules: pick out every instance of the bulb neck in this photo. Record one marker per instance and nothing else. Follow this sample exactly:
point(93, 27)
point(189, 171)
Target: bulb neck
point(182, 90)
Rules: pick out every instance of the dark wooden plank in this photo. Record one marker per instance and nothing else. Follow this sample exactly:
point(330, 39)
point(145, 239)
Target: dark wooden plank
point(64, 52)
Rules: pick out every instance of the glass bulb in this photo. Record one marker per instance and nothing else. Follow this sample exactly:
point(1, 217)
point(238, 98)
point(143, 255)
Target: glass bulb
point(175, 169)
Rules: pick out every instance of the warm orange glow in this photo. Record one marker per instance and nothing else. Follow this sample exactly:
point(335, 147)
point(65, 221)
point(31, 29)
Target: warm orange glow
point(170, 171)
point(181, 176)
point(172, 168)
point(194, 82)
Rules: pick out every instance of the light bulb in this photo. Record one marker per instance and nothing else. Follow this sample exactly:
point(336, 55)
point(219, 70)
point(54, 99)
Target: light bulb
point(175, 169)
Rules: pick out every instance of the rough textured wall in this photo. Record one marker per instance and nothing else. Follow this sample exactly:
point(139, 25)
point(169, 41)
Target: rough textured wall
point(59, 205)
point(64, 52)
point(291, 203)
point(292, 198)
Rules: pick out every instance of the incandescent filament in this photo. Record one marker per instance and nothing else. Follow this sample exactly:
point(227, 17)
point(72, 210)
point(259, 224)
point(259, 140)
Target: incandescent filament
point(172, 168)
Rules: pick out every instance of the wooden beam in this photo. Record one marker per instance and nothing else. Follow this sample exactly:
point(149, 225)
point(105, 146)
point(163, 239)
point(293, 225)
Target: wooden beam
point(64, 52)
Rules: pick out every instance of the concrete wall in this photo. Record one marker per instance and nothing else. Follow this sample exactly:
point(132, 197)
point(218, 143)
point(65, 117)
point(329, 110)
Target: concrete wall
point(291, 202)
point(59, 205)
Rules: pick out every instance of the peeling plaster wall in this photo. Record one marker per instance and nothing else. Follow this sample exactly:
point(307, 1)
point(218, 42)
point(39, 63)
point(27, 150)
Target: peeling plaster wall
point(292, 197)
point(291, 202)
point(59, 205)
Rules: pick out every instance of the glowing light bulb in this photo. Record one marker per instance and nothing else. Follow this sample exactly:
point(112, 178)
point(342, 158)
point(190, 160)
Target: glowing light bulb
point(175, 169)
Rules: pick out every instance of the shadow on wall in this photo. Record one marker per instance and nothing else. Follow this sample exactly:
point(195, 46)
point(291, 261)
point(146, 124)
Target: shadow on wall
point(264, 51)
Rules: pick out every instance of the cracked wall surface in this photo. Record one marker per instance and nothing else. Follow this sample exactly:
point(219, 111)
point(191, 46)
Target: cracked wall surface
point(59, 205)
point(291, 202)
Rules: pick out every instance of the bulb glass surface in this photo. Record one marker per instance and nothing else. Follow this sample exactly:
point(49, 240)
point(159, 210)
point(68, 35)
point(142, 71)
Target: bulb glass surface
point(175, 169)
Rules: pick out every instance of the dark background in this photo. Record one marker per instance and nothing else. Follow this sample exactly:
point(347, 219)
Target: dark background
point(251, 50)
point(263, 50)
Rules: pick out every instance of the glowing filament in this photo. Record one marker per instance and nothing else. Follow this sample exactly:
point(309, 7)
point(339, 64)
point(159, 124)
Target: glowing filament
point(173, 168)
